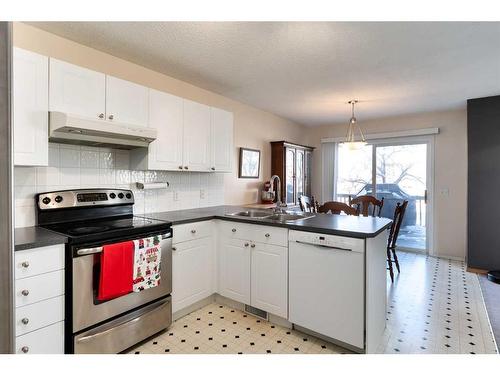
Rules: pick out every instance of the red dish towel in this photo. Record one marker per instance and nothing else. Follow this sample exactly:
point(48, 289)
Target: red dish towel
point(117, 270)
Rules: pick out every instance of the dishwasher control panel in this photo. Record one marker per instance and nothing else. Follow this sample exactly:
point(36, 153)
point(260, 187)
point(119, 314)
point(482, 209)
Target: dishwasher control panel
point(328, 240)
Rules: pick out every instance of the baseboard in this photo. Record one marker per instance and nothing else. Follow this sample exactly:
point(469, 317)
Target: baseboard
point(479, 271)
point(195, 306)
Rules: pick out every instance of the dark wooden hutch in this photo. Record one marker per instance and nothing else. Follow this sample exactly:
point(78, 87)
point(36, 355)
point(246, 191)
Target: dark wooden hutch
point(293, 164)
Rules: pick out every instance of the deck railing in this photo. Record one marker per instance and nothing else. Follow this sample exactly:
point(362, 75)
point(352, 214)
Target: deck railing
point(420, 206)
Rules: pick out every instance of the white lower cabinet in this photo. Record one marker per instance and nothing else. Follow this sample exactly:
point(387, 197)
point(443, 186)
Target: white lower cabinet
point(47, 340)
point(252, 272)
point(269, 277)
point(192, 268)
point(234, 271)
point(39, 294)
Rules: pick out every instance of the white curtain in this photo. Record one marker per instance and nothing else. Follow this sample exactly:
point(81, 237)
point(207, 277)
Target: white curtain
point(328, 160)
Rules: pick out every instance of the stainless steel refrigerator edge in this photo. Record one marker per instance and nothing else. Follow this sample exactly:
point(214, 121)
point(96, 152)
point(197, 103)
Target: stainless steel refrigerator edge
point(6, 197)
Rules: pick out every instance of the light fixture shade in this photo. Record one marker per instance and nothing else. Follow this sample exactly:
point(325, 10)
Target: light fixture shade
point(351, 141)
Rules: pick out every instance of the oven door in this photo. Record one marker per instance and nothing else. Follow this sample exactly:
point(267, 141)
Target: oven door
point(87, 311)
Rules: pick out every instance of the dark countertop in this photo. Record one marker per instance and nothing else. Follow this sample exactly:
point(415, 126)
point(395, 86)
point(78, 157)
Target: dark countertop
point(341, 225)
point(31, 237)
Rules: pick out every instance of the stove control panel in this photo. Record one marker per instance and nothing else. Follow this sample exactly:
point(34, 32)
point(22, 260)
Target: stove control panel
point(84, 198)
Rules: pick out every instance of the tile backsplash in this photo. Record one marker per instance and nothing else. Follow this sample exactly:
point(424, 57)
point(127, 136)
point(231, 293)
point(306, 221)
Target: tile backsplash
point(77, 167)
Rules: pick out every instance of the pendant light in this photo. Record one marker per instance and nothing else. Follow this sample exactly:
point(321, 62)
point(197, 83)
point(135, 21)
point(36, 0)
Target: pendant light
point(351, 141)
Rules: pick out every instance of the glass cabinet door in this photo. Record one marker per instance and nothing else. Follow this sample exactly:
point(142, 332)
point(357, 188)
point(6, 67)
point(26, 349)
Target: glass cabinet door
point(307, 173)
point(290, 176)
point(299, 175)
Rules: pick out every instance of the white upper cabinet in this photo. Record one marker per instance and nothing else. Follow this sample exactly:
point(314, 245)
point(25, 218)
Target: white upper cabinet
point(196, 145)
point(76, 90)
point(30, 106)
point(222, 140)
point(165, 115)
point(126, 102)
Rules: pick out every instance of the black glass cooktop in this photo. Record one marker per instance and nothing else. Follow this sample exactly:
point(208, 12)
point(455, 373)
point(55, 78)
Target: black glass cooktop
point(106, 228)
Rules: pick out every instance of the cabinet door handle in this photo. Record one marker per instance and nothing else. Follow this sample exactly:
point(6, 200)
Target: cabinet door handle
point(233, 230)
point(25, 349)
point(180, 166)
point(25, 264)
point(267, 235)
point(111, 117)
point(25, 321)
point(186, 167)
point(213, 168)
point(174, 248)
point(252, 245)
point(101, 115)
point(193, 231)
point(25, 292)
point(246, 245)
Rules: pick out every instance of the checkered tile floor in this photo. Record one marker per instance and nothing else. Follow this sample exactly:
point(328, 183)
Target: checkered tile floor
point(434, 306)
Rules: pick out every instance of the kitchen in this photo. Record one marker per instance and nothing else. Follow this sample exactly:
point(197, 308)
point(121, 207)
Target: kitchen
point(108, 152)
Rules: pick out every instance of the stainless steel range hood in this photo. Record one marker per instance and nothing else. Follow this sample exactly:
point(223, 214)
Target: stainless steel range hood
point(66, 128)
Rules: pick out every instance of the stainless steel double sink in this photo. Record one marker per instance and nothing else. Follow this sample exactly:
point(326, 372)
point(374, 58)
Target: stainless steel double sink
point(281, 217)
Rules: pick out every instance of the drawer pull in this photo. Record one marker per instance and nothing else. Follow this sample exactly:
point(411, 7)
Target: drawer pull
point(25, 321)
point(267, 235)
point(25, 349)
point(25, 292)
point(174, 248)
point(193, 231)
point(246, 245)
point(25, 264)
point(233, 230)
point(252, 245)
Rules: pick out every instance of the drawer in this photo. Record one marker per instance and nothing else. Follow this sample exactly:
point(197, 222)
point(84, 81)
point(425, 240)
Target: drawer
point(232, 229)
point(37, 261)
point(252, 232)
point(270, 235)
point(47, 340)
point(39, 315)
point(192, 231)
point(37, 288)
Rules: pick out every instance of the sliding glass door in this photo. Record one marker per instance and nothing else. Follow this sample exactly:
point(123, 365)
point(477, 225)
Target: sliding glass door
point(393, 170)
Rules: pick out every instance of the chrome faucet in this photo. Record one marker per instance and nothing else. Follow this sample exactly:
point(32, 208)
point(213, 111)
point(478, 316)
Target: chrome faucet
point(279, 204)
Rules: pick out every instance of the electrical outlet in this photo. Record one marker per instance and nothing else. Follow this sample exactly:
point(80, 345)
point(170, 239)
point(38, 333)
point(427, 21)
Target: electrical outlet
point(445, 192)
point(176, 196)
point(202, 193)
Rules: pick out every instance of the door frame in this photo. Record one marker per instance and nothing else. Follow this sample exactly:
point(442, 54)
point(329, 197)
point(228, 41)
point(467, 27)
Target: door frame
point(407, 140)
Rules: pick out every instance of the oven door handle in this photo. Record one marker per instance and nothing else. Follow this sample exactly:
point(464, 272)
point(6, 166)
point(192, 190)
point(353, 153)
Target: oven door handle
point(91, 250)
point(140, 315)
point(98, 249)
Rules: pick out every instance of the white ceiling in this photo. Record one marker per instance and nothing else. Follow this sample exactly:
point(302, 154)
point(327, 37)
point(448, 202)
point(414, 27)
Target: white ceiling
point(305, 71)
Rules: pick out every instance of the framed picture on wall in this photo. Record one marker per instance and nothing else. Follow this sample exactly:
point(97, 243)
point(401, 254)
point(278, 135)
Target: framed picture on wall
point(249, 163)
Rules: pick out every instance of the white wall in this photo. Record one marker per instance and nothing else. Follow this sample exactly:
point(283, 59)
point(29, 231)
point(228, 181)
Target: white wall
point(450, 169)
point(75, 167)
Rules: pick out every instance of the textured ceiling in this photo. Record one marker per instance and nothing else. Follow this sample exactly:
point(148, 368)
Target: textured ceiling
point(306, 72)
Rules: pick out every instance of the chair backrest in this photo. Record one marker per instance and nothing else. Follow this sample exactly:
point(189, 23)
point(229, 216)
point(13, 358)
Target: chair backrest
point(399, 214)
point(364, 202)
point(337, 208)
point(307, 204)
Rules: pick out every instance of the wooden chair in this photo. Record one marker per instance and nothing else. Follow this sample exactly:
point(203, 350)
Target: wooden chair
point(399, 214)
point(307, 204)
point(337, 208)
point(363, 204)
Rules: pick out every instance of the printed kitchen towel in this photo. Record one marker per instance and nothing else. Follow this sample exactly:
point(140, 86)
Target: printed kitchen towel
point(147, 263)
point(116, 270)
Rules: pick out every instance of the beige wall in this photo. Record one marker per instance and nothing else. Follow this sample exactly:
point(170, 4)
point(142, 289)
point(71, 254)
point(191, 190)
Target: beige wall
point(450, 169)
point(253, 128)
